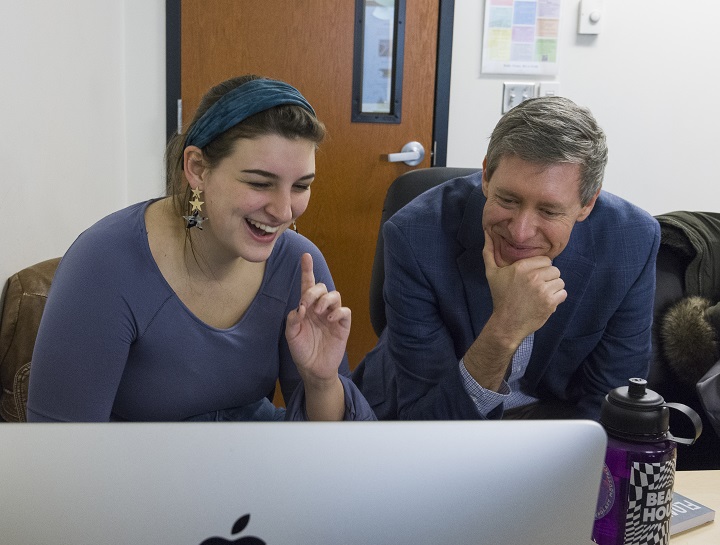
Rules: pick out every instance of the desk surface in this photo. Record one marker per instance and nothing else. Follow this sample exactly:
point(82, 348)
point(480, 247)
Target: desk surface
point(703, 487)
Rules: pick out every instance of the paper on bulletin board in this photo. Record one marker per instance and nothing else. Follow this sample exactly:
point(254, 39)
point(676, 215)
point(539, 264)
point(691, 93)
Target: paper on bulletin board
point(521, 37)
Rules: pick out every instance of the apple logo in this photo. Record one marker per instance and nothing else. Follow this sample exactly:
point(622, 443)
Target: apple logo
point(238, 527)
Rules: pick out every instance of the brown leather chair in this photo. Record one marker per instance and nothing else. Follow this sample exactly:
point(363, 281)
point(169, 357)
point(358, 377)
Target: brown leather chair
point(25, 296)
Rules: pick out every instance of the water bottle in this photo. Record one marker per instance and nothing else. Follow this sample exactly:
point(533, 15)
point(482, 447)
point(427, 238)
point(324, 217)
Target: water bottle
point(634, 504)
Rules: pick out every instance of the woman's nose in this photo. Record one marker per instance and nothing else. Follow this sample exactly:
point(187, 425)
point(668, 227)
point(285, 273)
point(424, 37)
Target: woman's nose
point(280, 206)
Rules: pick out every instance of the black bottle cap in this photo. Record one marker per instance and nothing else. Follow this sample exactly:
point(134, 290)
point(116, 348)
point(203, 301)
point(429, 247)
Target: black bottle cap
point(636, 413)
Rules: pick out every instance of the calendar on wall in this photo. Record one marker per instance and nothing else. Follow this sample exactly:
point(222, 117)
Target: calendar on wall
point(520, 37)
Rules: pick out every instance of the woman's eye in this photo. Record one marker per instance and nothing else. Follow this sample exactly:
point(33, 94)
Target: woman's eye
point(258, 185)
point(301, 187)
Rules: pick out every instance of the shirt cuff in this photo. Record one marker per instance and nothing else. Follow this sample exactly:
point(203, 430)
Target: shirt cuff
point(485, 400)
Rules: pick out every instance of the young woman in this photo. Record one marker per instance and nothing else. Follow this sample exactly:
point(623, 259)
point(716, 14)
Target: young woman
point(191, 307)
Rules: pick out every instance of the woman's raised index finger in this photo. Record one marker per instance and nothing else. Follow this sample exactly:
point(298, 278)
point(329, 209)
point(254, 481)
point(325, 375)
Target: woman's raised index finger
point(308, 276)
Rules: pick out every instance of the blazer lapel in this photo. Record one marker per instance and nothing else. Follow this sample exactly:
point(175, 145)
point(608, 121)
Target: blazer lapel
point(471, 264)
point(576, 264)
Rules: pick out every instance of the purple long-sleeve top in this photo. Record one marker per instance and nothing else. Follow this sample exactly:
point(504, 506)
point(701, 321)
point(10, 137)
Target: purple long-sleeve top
point(116, 342)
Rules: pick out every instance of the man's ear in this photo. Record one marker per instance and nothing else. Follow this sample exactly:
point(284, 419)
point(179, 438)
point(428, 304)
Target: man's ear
point(193, 166)
point(585, 210)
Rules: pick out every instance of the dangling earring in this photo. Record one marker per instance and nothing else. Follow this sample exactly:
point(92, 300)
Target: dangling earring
point(195, 219)
point(294, 226)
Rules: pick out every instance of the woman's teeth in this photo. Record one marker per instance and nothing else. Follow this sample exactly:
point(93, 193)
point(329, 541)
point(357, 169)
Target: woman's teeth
point(262, 226)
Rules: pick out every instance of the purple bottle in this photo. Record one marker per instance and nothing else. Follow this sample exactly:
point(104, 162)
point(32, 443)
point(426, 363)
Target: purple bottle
point(637, 482)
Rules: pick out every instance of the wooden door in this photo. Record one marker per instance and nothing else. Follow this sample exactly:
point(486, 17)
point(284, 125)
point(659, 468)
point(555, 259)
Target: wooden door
point(309, 44)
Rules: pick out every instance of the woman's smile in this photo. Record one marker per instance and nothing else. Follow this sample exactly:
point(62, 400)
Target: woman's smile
point(261, 229)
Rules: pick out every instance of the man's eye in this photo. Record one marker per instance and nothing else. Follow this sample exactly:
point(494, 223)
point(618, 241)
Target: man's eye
point(551, 213)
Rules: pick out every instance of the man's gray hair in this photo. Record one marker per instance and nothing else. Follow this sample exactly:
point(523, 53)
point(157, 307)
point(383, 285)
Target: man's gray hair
point(550, 130)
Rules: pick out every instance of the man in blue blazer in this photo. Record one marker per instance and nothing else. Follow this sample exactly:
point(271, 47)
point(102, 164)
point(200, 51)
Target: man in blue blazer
point(523, 291)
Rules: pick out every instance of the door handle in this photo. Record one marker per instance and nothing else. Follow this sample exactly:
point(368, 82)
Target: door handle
point(411, 154)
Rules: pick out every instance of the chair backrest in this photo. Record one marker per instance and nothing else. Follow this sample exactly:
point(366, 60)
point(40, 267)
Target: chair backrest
point(404, 189)
point(25, 296)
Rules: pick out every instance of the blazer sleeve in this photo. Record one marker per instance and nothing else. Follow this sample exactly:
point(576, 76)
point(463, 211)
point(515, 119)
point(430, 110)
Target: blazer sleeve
point(419, 345)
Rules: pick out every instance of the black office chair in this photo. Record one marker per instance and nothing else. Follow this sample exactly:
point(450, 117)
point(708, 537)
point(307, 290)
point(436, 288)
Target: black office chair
point(404, 189)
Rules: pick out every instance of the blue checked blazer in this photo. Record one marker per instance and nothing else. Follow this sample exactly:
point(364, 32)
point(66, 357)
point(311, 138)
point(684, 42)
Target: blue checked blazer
point(437, 301)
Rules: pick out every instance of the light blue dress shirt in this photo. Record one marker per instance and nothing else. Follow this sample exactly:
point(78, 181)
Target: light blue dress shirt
point(510, 393)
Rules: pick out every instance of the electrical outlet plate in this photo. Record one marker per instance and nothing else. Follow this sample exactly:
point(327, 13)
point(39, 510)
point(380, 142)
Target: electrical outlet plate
point(548, 89)
point(516, 92)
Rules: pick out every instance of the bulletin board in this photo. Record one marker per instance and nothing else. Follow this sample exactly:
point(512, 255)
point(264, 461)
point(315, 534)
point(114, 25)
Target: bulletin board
point(521, 37)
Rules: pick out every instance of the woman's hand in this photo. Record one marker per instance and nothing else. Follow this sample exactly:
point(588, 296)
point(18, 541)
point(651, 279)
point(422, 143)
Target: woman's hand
point(317, 333)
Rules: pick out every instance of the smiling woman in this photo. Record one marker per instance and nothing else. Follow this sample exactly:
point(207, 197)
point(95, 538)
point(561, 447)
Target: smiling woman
point(253, 195)
point(193, 306)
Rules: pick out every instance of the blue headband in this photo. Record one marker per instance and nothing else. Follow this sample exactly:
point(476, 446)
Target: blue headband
point(237, 105)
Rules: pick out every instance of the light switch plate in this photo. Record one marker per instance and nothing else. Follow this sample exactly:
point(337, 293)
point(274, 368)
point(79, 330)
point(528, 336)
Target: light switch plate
point(516, 92)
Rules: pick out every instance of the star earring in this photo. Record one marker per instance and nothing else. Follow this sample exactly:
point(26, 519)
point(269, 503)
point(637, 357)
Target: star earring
point(294, 226)
point(195, 219)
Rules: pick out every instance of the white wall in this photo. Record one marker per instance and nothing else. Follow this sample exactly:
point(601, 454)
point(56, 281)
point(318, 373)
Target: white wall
point(82, 104)
point(650, 78)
